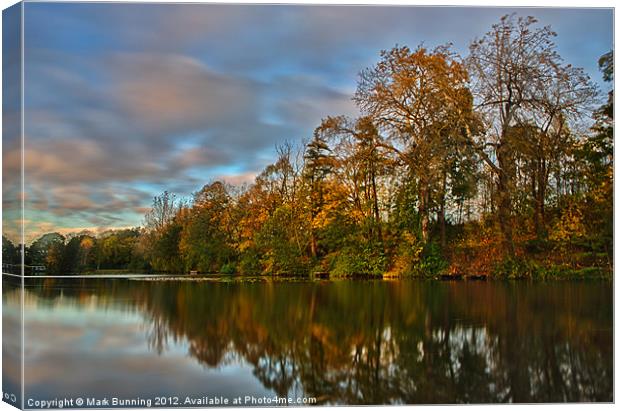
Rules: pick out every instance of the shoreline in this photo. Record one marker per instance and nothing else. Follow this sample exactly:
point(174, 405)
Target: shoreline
point(219, 277)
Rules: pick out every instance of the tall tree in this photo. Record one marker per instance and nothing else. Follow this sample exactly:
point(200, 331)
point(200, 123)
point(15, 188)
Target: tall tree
point(163, 210)
point(417, 96)
point(362, 159)
point(160, 241)
point(519, 78)
point(317, 166)
point(207, 234)
point(36, 254)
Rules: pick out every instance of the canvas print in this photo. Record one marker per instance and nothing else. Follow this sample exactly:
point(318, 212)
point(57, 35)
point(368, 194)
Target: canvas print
point(263, 205)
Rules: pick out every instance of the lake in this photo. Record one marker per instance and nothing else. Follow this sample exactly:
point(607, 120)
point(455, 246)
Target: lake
point(339, 342)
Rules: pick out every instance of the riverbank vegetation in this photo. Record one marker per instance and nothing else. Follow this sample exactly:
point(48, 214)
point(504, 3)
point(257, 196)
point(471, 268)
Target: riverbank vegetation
point(498, 163)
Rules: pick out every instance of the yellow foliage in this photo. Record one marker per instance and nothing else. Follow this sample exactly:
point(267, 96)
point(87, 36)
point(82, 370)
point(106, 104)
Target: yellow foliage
point(335, 205)
point(87, 243)
point(570, 226)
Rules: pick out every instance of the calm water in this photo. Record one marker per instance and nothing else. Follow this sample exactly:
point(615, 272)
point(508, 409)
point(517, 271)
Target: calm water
point(342, 342)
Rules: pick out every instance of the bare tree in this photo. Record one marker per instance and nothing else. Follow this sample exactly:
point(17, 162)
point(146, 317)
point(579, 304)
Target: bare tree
point(519, 78)
point(164, 209)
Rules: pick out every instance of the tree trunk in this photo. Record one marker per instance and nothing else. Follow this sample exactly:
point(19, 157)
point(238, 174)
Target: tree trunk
point(313, 214)
point(423, 211)
point(442, 212)
point(539, 186)
point(540, 201)
point(504, 203)
point(313, 245)
point(534, 182)
point(376, 205)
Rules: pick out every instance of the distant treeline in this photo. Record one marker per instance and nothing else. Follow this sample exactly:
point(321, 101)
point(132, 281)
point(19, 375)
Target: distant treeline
point(500, 162)
point(79, 253)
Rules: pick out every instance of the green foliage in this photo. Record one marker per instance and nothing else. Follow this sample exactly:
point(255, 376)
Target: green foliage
point(55, 259)
point(280, 252)
point(362, 260)
point(228, 268)
point(164, 250)
point(10, 252)
point(249, 262)
point(527, 268)
point(204, 246)
point(339, 232)
point(432, 262)
point(517, 268)
point(36, 254)
point(115, 250)
point(205, 240)
point(404, 216)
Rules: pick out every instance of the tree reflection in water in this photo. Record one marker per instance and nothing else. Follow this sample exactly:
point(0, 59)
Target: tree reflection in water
point(355, 342)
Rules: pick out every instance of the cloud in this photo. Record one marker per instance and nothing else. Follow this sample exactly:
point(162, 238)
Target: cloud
point(160, 116)
point(238, 179)
point(305, 100)
point(168, 92)
point(199, 157)
point(153, 107)
point(83, 200)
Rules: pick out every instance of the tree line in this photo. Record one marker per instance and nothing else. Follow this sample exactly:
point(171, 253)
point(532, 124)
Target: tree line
point(77, 253)
point(499, 162)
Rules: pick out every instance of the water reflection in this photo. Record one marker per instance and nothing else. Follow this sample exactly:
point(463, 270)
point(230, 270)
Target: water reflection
point(341, 342)
point(11, 341)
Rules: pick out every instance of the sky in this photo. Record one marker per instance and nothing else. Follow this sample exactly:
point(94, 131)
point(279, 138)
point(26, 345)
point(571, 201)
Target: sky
point(123, 101)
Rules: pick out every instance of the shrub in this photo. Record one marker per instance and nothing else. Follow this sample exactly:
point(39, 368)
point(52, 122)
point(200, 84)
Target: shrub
point(513, 268)
point(359, 261)
point(249, 262)
point(228, 268)
point(432, 262)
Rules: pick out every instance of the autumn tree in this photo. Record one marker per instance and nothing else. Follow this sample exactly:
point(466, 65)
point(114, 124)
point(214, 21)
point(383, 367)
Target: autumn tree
point(36, 253)
point(518, 78)
point(272, 223)
point(419, 97)
point(207, 232)
point(54, 259)
point(362, 158)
